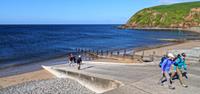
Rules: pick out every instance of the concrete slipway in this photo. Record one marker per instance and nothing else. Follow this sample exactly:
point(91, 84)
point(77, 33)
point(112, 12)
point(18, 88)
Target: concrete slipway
point(112, 78)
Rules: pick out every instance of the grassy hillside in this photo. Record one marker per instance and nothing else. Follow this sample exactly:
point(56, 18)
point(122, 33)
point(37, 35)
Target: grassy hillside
point(180, 15)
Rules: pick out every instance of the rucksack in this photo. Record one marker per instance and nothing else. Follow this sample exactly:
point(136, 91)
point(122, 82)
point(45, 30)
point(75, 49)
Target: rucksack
point(161, 61)
point(180, 60)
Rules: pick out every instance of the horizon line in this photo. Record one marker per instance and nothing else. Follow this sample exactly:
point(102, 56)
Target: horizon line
point(65, 24)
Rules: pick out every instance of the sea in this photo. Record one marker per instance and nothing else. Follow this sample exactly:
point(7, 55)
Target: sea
point(24, 44)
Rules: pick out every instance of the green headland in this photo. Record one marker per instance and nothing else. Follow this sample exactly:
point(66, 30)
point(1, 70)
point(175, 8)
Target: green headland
point(180, 15)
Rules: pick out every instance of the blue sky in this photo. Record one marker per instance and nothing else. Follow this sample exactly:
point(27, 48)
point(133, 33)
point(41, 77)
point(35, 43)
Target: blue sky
point(73, 11)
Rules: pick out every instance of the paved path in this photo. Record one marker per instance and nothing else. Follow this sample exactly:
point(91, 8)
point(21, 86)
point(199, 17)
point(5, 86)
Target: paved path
point(139, 79)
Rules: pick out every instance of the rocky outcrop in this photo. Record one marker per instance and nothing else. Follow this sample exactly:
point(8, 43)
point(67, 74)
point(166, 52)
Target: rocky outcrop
point(193, 19)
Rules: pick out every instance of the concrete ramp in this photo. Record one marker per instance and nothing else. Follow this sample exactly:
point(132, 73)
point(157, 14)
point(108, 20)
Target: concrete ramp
point(96, 84)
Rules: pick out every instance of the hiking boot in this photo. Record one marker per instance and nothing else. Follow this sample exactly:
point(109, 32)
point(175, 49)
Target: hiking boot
point(184, 85)
point(160, 83)
point(171, 87)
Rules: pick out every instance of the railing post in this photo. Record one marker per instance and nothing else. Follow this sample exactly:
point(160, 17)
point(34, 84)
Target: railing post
point(102, 52)
point(125, 52)
point(89, 51)
point(153, 55)
point(93, 51)
point(118, 53)
point(111, 53)
point(97, 52)
point(133, 54)
point(142, 54)
point(79, 50)
point(82, 51)
point(85, 52)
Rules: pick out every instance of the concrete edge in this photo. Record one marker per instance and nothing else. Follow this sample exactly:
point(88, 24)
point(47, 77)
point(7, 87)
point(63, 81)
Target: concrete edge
point(89, 85)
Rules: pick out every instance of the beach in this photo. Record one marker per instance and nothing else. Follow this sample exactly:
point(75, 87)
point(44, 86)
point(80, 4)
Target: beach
point(162, 50)
point(43, 74)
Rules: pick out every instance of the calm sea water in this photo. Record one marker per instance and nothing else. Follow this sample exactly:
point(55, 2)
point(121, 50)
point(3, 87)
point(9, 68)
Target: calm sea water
point(26, 43)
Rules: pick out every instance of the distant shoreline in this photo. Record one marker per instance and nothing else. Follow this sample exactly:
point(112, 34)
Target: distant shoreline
point(192, 29)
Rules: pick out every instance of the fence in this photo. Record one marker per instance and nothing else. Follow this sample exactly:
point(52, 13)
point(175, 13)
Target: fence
point(132, 54)
point(91, 54)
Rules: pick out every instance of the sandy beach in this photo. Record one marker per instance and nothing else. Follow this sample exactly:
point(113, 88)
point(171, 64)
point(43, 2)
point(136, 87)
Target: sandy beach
point(162, 50)
point(191, 48)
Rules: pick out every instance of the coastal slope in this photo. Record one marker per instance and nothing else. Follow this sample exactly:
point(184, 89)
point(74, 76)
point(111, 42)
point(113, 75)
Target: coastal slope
point(180, 15)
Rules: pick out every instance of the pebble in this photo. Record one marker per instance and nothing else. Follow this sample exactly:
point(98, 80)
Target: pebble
point(50, 86)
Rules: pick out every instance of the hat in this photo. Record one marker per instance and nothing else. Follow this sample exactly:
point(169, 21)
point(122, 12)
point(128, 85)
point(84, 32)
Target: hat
point(171, 55)
point(79, 56)
point(183, 54)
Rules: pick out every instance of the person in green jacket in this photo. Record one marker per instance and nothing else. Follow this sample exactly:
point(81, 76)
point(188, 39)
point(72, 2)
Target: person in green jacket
point(179, 65)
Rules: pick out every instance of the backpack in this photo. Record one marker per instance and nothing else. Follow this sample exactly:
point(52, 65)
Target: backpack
point(79, 60)
point(161, 61)
point(180, 60)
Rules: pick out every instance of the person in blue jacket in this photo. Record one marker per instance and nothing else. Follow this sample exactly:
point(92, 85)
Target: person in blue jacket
point(166, 66)
point(160, 64)
point(162, 59)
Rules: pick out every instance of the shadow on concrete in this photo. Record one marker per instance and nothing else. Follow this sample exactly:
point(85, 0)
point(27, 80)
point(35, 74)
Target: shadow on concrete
point(86, 67)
